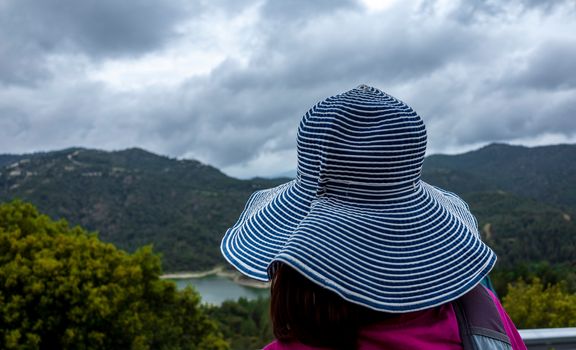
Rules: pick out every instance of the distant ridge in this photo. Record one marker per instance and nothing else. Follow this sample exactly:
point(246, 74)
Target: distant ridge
point(546, 173)
point(134, 197)
point(524, 198)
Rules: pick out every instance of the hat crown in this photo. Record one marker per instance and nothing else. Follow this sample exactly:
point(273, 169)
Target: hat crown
point(361, 145)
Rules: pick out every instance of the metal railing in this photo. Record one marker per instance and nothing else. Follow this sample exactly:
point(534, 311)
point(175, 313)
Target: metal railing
point(549, 338)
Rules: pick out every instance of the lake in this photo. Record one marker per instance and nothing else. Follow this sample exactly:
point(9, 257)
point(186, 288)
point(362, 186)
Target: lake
point(215, 289)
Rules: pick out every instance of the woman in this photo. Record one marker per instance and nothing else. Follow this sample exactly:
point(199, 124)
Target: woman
point(361, 252)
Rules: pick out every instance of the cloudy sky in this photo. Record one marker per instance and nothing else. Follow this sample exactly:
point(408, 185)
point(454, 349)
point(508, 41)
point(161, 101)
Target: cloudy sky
point(226, 81)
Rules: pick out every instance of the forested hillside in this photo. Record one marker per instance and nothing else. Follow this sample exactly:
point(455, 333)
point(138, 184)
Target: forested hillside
point(133, 198)
point(546, 174)
point(524, 198)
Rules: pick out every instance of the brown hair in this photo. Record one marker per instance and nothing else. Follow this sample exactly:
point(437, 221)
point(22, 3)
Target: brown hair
point(306, 312)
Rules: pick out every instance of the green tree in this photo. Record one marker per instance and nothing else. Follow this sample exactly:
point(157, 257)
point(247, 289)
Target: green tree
point(535, 305)
point(245, 323)
point(62, 288)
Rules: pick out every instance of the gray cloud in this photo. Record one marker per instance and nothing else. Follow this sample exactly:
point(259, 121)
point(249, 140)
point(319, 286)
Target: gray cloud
point(549, 67)
point(473, 77)
point(297, 11)
point(477, 11)
point(22, 62)
point(219, 122)
point(547, 5)
point(31, 31)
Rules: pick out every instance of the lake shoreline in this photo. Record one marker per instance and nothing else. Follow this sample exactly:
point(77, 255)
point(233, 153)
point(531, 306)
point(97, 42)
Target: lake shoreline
point(193, 274)
point(220, 271)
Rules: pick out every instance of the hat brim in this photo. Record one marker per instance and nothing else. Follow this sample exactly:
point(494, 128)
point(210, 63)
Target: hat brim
point(413, 253)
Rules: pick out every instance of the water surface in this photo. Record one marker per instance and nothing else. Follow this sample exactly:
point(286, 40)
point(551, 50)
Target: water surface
point(215, 289)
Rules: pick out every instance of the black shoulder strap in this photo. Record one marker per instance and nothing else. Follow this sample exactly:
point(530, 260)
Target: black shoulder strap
point(478, 316)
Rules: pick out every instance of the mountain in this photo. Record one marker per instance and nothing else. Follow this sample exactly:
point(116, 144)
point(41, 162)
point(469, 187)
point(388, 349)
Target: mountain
point(133, 197)
point(524, 199)
point(546, 173)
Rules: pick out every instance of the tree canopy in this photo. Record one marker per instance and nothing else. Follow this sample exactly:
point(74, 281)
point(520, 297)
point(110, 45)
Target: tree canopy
point(245, 323)
point(62, 288)
point(535, 305)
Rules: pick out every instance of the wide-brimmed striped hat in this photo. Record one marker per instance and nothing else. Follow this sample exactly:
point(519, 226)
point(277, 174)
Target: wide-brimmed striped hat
point(358, 219)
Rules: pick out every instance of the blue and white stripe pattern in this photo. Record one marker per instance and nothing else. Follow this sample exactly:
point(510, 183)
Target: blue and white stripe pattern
point(357, 219)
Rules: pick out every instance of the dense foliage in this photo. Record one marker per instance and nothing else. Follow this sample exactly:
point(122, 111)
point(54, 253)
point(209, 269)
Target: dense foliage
point(62, 288)
point(245, 323)
point(535, 305)
point(532, 239)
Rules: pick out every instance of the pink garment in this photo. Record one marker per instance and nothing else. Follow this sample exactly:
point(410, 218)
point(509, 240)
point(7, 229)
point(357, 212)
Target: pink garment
point(432, 329)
